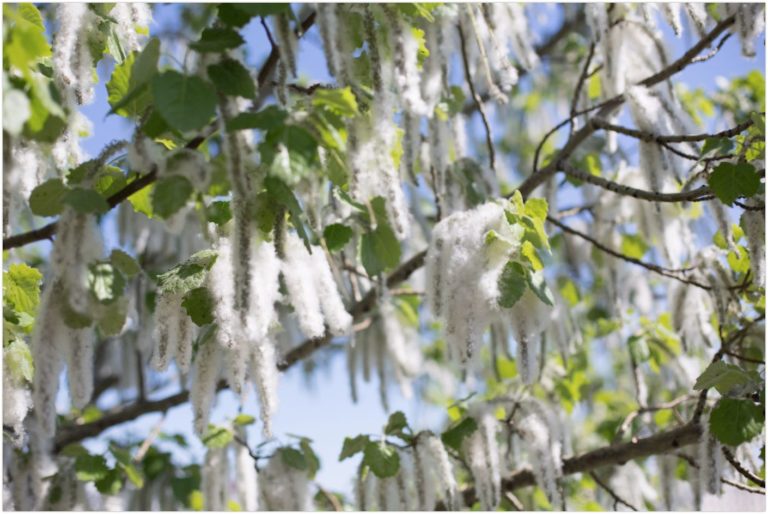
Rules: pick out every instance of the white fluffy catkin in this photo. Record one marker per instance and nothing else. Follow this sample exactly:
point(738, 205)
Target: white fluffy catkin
point(710, 457)
point(750, 22)
point(299, 278)
point(72, 61)
point(129, 17)
point(283, 487)
point(753, 223)
point(214, 479)
point(16, 401)
point(203, 390)
point(264, 373)
point(168, 321)
point(482, 451)
point(247, 481)
point(440, 465)
point(545, 450)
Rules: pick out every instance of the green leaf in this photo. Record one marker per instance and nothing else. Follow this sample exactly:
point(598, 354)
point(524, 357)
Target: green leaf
point(313, 462)
point(382, 459)
point(187, 275)
point(86, 201)
point(353, 445)
point(336, 236)
point(89, 468)
point(170, 195)
point(735, 421)
point(738, 262)
point(731, 181)
point(724, 145)
point(128, 87)
point(244, 419)
point(73, 318)
point(512, 284)
point(282, 194)
point(18, 358)
point(46, 199)
point(231, 78)
point(219, 212)
point(105, 282)
point(199, 305)
point(124, 262)
point(722, 376)
point(217, 39)
point(186, 102)
point(271, 117)
point(21, 287)
point(528, 251)
point(536, 208)
point(633, 245)
point(339, 101)
point(217, 437)
point(196, 501)
point(112, 317)
point(594, 87)
point(454, 436)
point(379, 250)
point(539, 286)
point(396, 423)
point(111, 483)
point(293, 458)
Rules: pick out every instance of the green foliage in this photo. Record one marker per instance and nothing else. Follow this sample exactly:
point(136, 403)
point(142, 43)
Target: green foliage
point(512, 284)
point(381, 458)
point(47, 198)
point(126, 264)
point(85, 201)
point(188, 275)
point(282, 195)
point(217, 437)
point(231, 78)
point(198, 303)
point(217, 39)
point(105, 282)
point(128, 87)
point(336, 236)
point(21, 288)
point(185, 102)
point(170, 195)
point(731, 181)
point(454, 436)
point(735, 421)
point(353, 445)
point(18, 357)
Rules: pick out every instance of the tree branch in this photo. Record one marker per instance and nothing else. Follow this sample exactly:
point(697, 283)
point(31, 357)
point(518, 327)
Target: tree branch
point(741, 469)
point(611, 455)
point(697, 195)
point(616, 498)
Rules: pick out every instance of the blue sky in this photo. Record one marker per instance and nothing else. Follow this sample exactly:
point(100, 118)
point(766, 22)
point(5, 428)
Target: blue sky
point(324, 411)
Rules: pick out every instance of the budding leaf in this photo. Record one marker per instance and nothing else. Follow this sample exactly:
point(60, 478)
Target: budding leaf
point(396, 423)
point(21, 287)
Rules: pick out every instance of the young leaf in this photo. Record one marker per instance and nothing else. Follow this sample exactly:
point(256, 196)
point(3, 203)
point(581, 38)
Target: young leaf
point(382, 459)
point(353, 445)
point(199, 305)
point(731, 181)
point(454, 436)
point(186, 102)
point(46, 199)
point(231, 78)
point(735, 421)
point(170, 195)
point(512, 284)
point(21, 287)
point(217, 39)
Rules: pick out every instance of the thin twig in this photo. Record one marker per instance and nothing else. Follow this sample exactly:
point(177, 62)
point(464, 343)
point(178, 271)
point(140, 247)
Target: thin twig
point(478, 101)
point(580, 83)
point(741, 469)
point(611, 492)
point(149, 440)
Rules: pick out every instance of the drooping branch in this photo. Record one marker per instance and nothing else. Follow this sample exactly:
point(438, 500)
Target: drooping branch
point(741, 469)
point(613, 494)
point(655, 138)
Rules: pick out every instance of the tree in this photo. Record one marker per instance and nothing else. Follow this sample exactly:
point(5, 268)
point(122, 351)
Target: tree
point(591, 322)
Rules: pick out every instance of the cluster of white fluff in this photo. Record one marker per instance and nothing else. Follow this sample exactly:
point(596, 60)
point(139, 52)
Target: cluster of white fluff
point(463, 274)
point(16, 401)
point(750, 22)
point(246, 476)
point(143, 154)
point(283, 487)
point(753, 223)
point(207, 369)
point(405, 63)
point(434, 474)
point(328, 23)
point(711, 271)
point(691, 309)
point(78, 242)
point(312, 289)
point(401, 492)
point(481, 449)
point(72, 61)
point(633, 486)
point(174, 333)
point(287, 43)
point(27, 170)
point(542, 435)
point(130, 17)
point(214, 479)
point(711, 460)
point(389, 345)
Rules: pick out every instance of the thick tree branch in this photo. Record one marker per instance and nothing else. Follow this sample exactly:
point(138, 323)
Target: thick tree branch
point(697, 195)
point(615, 454)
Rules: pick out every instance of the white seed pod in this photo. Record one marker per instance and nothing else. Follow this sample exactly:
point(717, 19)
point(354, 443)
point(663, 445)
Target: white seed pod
point(297, 271)
point(671, 12)
point(440, 465)
point(697, 15)
point(265, 291)
point(247, 481)
point(189, 164)
point(79, 357)
point(426, 486)
point(221, 286)
point(16, 401)
point(336, 316)
point(750, 22)
point(214, 479)
point(521, 37)
point(545, 449)
point(265, 376)
point(203, 390)
point(72, 61)
point(753, 223)
point(482, 451)
point(710, 458)
point(166, 333)
point(283, 487)
point(329, 27)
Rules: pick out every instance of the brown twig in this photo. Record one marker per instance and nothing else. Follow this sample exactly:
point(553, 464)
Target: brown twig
point(616, 498)
point(741, 469)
